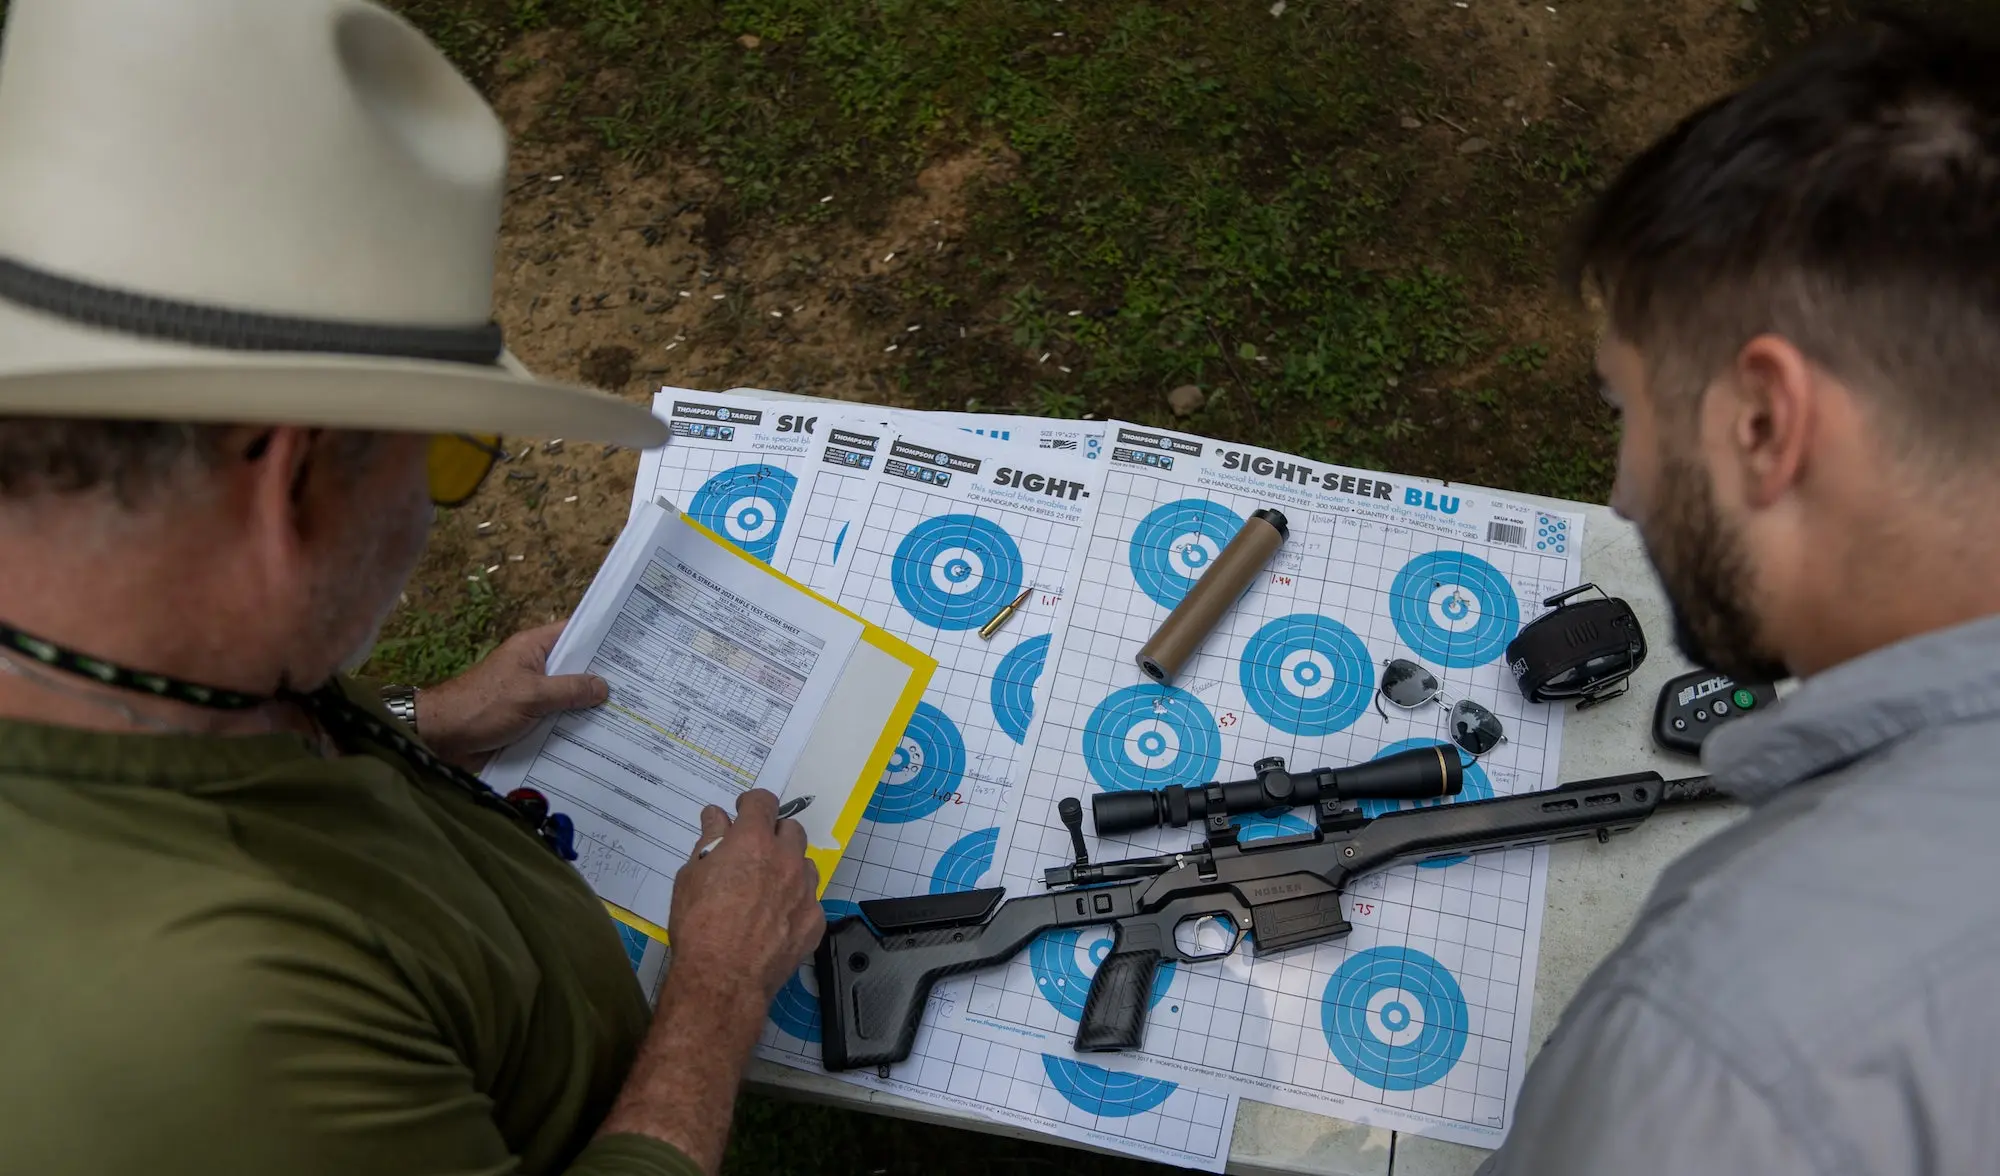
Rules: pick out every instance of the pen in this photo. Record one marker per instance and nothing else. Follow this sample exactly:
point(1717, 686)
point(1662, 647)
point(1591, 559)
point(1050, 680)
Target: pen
point(790, 808)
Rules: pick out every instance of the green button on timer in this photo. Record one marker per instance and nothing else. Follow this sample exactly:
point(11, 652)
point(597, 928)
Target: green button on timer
point(1743, 699)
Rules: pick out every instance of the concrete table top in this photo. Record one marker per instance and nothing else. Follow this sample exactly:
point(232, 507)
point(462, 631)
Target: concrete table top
point(1594, 891)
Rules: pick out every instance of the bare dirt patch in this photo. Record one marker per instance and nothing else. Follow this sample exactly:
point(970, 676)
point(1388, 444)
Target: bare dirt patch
point(630, 278)
point(626, 280)
point(1530, 94)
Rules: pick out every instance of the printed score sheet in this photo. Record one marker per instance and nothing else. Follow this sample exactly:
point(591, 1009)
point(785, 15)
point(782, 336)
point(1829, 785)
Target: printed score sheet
point(723, 678)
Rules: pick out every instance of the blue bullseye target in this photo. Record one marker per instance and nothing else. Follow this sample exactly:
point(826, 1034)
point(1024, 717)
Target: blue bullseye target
point(1013, 690)
point(746, 505)
point(924, 769)
point(1058, 958)
point(1395, 1018)
point(634, 941)
point(1476, 786)
point(1173, 545)
point(968, 859)
point(1454, 609)
point(1105, 1093)
point(1307, 674)
point(956, 571)
point(1149, 736)
point(796, 1008)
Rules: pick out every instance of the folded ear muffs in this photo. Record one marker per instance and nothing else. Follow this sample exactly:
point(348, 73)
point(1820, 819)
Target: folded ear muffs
point(1583, 650)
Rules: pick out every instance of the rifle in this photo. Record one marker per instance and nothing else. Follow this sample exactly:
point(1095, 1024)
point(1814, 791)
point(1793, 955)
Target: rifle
point(876, 970)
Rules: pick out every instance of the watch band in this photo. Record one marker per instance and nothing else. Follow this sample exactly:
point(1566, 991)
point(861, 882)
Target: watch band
point(401, 702)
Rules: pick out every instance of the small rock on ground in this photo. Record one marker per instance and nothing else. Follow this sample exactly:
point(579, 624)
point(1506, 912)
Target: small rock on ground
point(1473, 146)
point(1185, 399)
point(1411, 124)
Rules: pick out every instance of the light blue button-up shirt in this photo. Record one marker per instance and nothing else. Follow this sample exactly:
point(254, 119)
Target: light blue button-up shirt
point(1815, 989)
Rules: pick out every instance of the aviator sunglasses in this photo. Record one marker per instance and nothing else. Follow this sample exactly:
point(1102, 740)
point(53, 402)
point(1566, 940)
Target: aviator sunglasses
point(1474, 729)
point(454, 465)
point(458, 463)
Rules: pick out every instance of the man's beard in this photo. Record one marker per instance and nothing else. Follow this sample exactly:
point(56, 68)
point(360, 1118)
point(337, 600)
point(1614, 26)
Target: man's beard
point(1702, 566)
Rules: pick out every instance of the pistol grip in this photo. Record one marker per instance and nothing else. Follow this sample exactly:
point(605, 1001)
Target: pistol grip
point(1114, 1012)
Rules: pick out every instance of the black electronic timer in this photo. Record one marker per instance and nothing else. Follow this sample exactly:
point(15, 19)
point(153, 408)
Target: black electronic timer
point(1694, 705)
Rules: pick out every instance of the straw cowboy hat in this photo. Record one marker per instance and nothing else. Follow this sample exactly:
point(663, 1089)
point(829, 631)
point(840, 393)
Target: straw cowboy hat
point(257, 212)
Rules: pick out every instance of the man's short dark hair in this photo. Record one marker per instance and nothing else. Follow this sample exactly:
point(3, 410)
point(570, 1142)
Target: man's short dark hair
point(1848, 201)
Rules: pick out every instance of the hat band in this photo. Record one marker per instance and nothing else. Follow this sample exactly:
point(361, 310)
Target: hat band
point(231, 330)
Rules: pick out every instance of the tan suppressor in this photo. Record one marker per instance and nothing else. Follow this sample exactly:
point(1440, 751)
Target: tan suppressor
point(1212, 596)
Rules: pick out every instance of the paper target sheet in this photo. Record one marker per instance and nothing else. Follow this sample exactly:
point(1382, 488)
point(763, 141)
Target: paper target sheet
point(1084, 438)
point(846, 451)
point(732, 463)
point(736, 463)
point(1173, 1121)
point(1169, 1122)
point(1418, 1019)
point(843, 453)
point(945, 531)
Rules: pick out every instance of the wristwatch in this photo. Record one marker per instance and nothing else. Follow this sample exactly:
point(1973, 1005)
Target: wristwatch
point(401, 701)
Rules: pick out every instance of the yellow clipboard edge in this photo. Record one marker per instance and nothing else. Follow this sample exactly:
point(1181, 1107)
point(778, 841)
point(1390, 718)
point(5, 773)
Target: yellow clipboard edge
point(878, 759)
point(643, 926)
point(922, 666)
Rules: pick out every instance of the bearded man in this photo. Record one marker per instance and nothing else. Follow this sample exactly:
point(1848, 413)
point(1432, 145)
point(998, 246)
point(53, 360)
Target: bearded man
point(1800, 290)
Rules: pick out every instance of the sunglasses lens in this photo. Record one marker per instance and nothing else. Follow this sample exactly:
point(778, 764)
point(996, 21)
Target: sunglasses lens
point(457, 465)
point(1474, 728)
point(1406, 683)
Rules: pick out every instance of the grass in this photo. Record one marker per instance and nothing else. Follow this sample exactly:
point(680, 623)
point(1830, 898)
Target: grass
point(429, 643)
point(1203, 194)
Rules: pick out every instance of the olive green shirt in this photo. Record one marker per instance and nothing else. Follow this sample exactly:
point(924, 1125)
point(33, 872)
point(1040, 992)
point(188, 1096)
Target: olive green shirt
point(229, 956)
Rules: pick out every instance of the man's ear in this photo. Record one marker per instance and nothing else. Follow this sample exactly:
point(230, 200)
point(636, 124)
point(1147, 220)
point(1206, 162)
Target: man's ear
point(272, 475)
point(1774, 409)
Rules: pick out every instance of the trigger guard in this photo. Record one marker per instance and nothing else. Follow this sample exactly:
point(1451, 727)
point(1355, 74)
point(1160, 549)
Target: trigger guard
point(1239, 926)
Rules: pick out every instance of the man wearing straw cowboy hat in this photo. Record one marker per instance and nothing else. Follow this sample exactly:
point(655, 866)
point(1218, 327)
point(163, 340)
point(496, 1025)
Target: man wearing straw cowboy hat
point(250, 925)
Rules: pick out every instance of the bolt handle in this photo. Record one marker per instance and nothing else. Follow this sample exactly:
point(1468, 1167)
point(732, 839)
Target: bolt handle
point(1070, 809)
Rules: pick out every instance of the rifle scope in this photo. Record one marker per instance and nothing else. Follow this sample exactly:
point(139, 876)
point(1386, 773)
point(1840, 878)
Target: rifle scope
point(1421, 773)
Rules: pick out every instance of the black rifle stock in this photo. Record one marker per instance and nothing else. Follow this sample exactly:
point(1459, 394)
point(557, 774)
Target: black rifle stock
point(876, 971)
